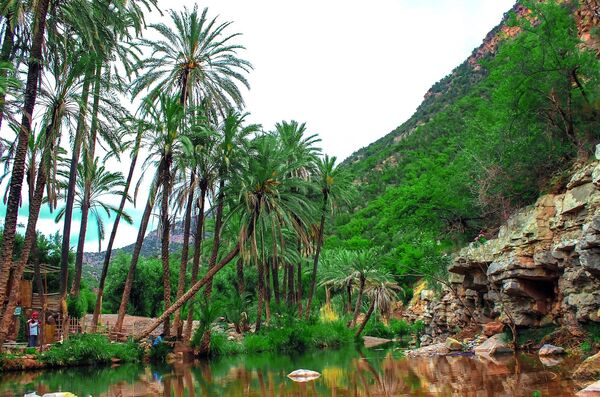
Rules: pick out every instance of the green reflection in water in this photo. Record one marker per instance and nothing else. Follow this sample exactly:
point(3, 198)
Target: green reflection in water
point(347, 372)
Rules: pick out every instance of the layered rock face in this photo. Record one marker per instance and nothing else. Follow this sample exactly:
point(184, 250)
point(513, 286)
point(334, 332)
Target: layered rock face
point(543, 268)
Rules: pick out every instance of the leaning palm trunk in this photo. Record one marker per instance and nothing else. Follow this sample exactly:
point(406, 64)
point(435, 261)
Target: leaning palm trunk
point(361, 289)
point(85, 208)
point(187, 225)
point(113, 235)
point(18, 171)
point(205, 343)
point(134, 260)
point(30, 236)
point(199, 284)
point(241, 285)
point(316, 259)
point(197, 253)
point(366, 319)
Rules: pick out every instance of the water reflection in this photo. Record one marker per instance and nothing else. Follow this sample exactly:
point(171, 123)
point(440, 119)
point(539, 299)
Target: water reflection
point(344, 373)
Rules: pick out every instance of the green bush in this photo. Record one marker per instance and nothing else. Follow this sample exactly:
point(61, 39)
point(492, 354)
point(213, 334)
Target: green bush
point(86, 349)
point(77, 306)
point(295, 336)
point(159, 352)
point(378, 329)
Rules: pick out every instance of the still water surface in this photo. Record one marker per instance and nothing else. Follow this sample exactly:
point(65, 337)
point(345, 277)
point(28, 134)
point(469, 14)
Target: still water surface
point(368, 372)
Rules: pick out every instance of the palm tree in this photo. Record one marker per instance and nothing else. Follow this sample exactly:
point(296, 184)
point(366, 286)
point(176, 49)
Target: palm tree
point(165, 142)
point(382, 292)
point(103, 184)
point(139, 126)
point(197, 61)
point(362, 265)
point(230, 150)
point(333, 184)
point(34, 68)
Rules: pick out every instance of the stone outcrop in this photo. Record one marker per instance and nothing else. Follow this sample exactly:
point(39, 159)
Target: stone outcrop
point(589, 369)
point(542, 268)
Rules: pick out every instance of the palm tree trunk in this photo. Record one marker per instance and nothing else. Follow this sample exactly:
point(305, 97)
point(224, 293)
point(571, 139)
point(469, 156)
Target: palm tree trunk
point(198, 238)
point(30, 236)
point(41, 292)
point(113, 235)
point(217, 236)
point(187, 225)
point(79, 133)
point(240, 277)
point(299, 288)
point(76, 283)
point(261, 294)
point(361, 288)
point(165, 236)
point(196, 287)
point(275, 275)
point(134, 260)
point(266, 265)
point(313, 281)
point(205, 343)
point(34, 70)
point(85, 208)
point(5, 56)
point(291, 297)
point(349, 295)
point(366, 319)
point(284, 282)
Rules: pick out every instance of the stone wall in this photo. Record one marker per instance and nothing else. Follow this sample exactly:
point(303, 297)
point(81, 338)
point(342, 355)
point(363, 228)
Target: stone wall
point(543, 267)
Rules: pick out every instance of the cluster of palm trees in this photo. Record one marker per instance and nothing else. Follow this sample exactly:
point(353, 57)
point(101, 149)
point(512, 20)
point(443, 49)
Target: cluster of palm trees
point(268, 193)
point(346, 271)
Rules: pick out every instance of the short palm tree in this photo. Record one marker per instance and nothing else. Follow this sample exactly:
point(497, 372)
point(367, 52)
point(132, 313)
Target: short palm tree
point(382, 291)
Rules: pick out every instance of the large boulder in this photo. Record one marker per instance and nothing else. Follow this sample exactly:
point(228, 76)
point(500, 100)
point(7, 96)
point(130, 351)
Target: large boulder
point(551, 350)
point(453, 344)
point(438, 349)
point(589, 369)
point(497, 344)
point(493, 328)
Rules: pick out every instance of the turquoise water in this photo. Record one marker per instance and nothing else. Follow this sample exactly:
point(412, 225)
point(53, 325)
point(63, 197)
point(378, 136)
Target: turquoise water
point(350, 372)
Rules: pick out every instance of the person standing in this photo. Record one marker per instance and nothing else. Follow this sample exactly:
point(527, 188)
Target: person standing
point(33, 326)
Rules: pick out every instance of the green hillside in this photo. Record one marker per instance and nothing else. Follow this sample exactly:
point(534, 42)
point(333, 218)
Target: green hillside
point(488, 139)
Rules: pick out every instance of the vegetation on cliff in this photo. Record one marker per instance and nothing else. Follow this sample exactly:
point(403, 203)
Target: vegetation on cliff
point(513, 130)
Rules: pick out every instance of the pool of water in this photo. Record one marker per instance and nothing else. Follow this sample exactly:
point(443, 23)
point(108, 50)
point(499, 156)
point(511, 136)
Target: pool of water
point(349, 372)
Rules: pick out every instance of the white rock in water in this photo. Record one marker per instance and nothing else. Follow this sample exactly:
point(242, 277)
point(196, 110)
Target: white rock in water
point(303, 375)
point(59, 394)
point(590, 391)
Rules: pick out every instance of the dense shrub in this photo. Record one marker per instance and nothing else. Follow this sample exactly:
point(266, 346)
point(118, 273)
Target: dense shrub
point(86, 349)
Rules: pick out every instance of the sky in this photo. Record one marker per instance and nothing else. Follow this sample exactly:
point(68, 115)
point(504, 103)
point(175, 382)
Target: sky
point(351, 70)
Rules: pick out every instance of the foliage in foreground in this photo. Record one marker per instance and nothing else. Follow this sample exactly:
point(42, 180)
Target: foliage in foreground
point(296, 336)
point(86, 349)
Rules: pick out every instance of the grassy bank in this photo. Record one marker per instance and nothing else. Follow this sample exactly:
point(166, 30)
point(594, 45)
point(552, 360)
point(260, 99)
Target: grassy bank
point(78, 350)
point(296, 336)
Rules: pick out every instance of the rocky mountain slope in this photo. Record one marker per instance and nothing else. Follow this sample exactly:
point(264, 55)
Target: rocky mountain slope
point(543, 267)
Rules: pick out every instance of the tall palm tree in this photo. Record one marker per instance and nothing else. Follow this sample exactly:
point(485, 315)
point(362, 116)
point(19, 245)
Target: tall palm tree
point(139, 128)
point(362, 265)
point(197, 61)
point(103, 184)
point(230, 151)
point(333, 184)
point(34, 68)
point(166, 141)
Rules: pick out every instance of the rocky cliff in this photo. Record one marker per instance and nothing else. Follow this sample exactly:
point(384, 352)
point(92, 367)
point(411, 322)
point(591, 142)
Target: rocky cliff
point(542, 268)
